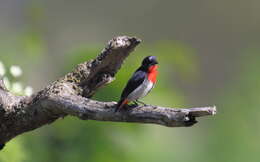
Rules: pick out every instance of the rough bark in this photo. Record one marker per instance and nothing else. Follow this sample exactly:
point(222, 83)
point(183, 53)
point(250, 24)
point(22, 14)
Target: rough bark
point(70, 95)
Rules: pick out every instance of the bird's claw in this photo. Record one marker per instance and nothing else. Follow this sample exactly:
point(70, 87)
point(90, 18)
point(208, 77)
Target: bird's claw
point(135, 104)
point(144, 104)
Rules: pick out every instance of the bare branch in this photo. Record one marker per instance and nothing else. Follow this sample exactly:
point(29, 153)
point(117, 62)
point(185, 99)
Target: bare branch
point(88, 109)
point(70, 95)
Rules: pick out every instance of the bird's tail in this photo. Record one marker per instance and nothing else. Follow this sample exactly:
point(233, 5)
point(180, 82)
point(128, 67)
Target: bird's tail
point(121, 104)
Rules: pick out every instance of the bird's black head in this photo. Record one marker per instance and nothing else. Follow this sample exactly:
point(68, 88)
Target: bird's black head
point(149, 61)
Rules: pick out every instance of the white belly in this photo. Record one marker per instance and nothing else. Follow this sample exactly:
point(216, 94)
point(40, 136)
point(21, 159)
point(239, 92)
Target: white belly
point(141, 91)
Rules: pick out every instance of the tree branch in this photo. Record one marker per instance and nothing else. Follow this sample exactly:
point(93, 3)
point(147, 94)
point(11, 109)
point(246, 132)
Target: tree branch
point(70, 95)
point(87, 109)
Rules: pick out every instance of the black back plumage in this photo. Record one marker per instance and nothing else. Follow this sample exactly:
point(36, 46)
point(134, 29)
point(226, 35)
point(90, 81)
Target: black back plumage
point(135, 81)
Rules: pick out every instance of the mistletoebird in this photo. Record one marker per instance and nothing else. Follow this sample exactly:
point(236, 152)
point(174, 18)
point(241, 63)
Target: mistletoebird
point(140, 84)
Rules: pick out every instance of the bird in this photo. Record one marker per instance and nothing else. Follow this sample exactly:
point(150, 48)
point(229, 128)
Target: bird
point(140, 84)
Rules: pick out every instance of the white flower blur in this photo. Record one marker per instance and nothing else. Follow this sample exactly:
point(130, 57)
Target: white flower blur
point(2, 69)
point(16, 71)
point(17, 87)
point(7, 83)
point(28, 91)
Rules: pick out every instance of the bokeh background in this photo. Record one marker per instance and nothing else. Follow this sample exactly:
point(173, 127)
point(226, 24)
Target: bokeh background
point(208, 53)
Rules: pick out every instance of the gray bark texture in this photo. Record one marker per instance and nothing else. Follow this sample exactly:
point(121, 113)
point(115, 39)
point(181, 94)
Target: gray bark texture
point(70, 95)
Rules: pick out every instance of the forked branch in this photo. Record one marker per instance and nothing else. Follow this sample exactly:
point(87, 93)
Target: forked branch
point(70, 95)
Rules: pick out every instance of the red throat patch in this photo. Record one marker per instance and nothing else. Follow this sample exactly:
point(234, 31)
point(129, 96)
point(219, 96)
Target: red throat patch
point(152, 73)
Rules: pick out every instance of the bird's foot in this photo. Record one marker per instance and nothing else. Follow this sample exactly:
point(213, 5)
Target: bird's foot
point(144, 104)
point(135, 104)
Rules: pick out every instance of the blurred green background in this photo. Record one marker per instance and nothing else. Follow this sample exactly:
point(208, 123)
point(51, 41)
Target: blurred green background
point(208, 53)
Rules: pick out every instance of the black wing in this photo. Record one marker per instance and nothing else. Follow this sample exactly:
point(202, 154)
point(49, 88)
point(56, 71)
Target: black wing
point(136, 80)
